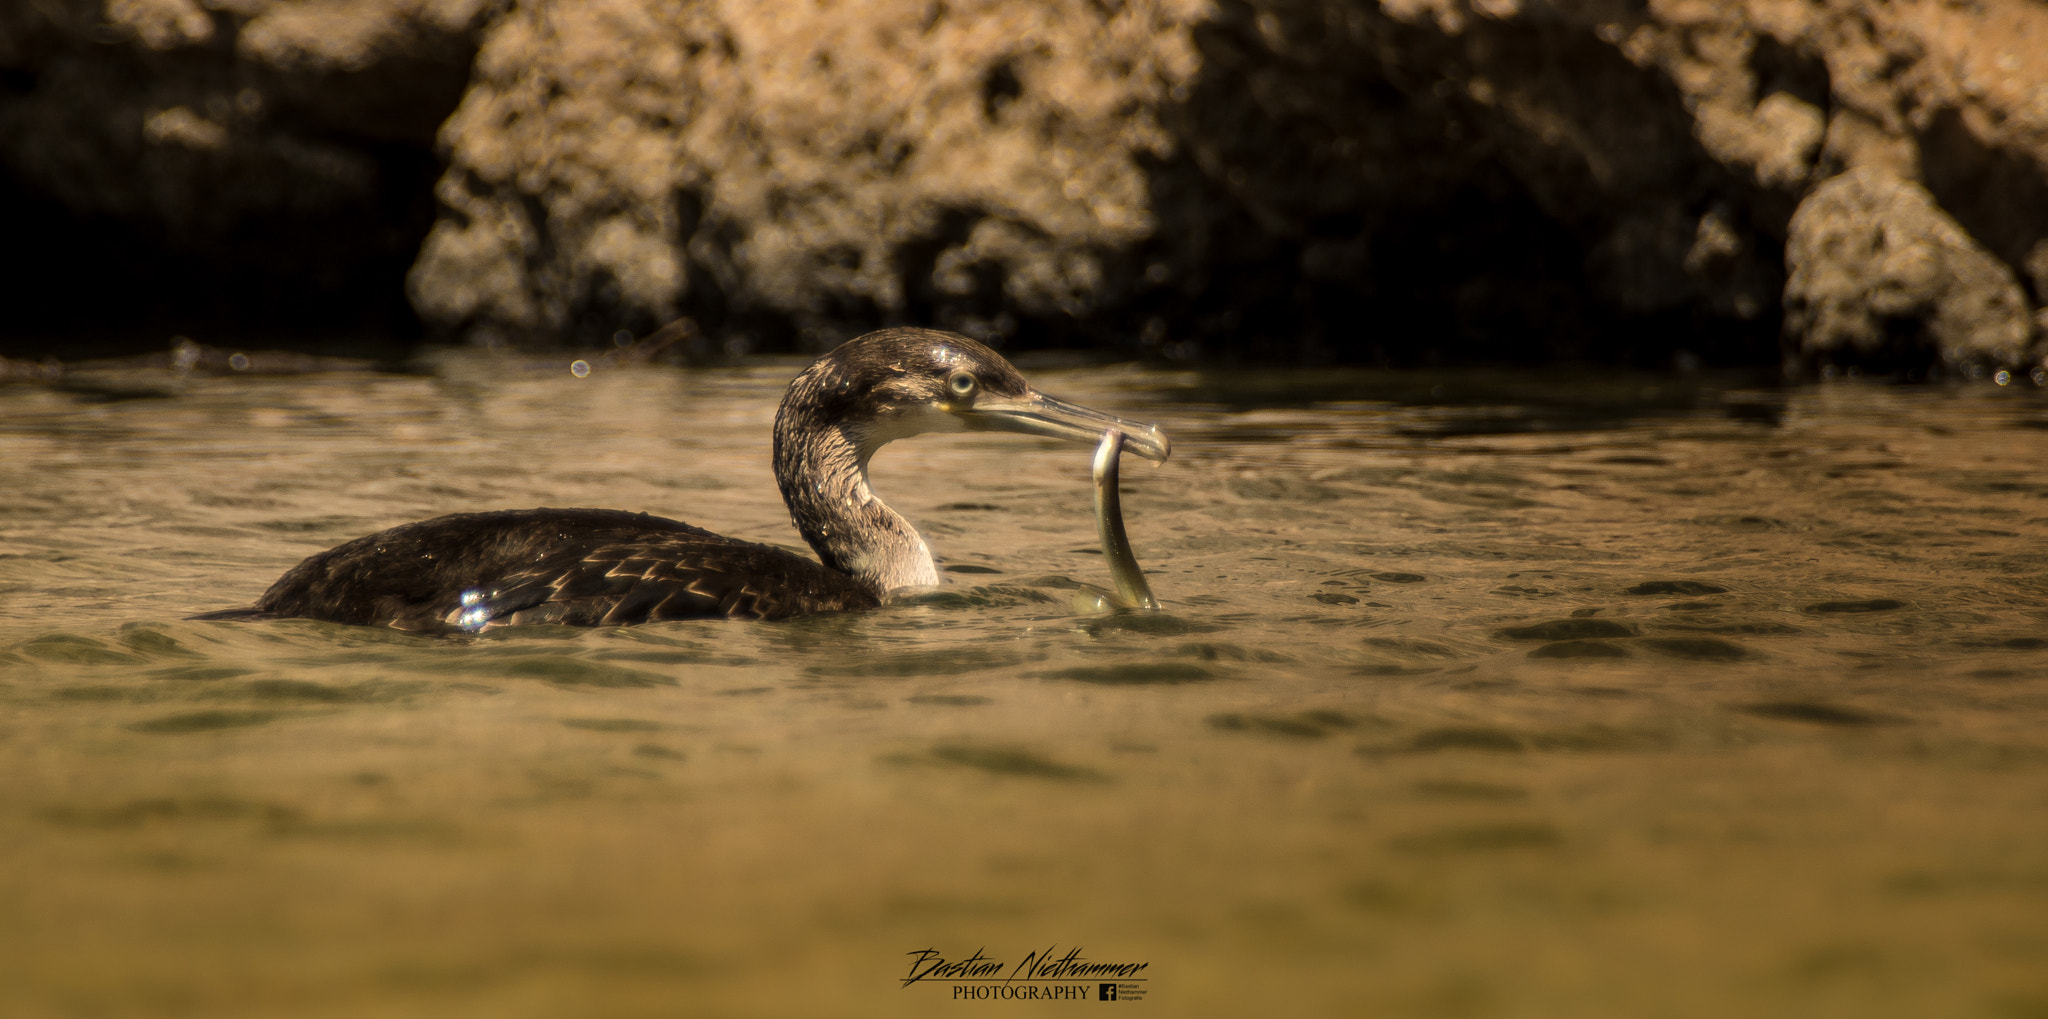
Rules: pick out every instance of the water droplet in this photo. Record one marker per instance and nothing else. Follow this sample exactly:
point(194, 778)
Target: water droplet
point(2003, 378)
point(239, 362)
point(579, 368)
point(474, 612)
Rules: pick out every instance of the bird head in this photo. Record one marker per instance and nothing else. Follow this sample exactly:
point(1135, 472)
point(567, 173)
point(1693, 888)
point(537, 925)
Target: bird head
point(895, 383)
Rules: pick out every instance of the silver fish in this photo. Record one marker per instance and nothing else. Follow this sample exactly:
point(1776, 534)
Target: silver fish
point(1132, 592)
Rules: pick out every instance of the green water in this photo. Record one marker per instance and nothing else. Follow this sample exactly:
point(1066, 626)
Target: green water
point(1473, 696)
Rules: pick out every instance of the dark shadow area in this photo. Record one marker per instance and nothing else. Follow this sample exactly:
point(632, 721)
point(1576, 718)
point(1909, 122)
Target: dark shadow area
point(292, 226)
point(2000, 197)
point(1781, 68)
point(95, 286)
point(1361, 196)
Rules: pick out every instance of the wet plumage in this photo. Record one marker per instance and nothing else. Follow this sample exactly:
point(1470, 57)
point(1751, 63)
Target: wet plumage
point(593, 567)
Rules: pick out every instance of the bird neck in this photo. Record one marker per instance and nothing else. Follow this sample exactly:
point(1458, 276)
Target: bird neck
point(822, 467)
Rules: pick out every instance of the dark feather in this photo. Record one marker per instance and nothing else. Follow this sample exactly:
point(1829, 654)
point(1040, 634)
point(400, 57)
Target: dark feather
point(578, 567)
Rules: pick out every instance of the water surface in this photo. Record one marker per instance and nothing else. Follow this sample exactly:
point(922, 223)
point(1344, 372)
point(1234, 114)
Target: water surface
point(1473, 696)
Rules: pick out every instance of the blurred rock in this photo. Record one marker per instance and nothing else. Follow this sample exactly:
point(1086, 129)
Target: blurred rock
point(1410, 181)
point(1586, 179)
point(262, 160)
point(1879, 274)
point(1414, 180)
point(816, 168)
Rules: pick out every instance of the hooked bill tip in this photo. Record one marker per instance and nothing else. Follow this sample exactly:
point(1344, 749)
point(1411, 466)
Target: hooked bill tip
point(1149, 442)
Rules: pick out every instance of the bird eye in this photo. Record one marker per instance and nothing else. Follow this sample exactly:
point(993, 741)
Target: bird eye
point(961, 383)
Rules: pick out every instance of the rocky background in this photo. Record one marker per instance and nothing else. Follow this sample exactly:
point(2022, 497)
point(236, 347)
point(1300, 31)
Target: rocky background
point(1677, 182)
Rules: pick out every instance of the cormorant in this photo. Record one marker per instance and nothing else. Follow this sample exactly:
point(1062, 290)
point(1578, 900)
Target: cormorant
point(593, 567)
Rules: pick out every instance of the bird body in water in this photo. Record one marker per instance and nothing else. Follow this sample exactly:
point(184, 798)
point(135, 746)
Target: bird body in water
point(591, 567)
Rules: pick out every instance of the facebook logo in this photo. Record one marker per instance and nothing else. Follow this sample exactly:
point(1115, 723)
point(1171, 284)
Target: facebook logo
point(1108, 992)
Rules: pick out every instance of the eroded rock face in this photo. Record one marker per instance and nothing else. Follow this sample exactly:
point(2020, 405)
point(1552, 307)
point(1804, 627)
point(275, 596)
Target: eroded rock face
point(822, 166)
point(1663, 148)
point(1879, 273)
point(1405, 181)
point(1307, 178)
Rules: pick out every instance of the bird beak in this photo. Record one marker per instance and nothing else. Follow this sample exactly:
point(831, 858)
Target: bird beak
point(1035, 413)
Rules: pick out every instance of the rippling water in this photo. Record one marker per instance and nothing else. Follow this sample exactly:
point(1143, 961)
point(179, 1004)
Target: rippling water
point(1473, 696)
